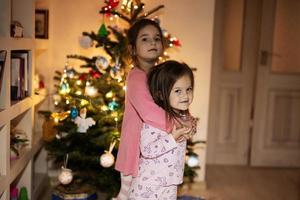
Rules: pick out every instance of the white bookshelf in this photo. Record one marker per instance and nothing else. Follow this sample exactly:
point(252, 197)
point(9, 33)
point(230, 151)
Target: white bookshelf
point(28, 169)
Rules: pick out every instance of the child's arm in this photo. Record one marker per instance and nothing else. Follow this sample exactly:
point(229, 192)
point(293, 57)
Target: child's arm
point(140, 97)
point(155, 143)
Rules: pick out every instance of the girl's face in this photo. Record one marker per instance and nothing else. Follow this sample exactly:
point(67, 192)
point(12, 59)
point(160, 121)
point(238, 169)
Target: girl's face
point(148, 45)
point(181, 95)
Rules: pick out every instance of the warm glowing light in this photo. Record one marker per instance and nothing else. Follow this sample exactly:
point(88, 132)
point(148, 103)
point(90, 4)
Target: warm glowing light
point(124, 87)
point(91, 91)
point(104, 108)
point(110, 94)
point(56, 120)
point(78, 82)
point(78, 92)
point(83, 102)
point(67, 101)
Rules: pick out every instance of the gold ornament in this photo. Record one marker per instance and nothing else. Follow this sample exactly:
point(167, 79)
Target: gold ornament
point(60, 116)
point(49, 132)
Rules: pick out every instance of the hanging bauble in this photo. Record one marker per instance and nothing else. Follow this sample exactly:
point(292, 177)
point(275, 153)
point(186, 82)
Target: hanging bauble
point(192, 161)
point(107, 159)
point(102, 64)
point(83, 77)
point(66, 176)
point(102, 32)
point(49, 132)
point(95, 74)
point(113, 3)
point(113, 105)
point(64, 88)
point(85, 42)
point(71, 72)
point(116, 73)
point(74, 112)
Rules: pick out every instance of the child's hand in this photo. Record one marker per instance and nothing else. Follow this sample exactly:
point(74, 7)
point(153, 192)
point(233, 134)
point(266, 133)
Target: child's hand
point(181, 134)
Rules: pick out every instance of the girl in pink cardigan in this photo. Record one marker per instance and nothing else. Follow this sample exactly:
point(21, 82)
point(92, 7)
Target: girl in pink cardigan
point(146, 45)
point(161, 164)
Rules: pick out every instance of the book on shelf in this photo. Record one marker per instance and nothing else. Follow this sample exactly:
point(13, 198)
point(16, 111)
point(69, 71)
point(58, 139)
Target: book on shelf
point(19, 75)
point(2, 65)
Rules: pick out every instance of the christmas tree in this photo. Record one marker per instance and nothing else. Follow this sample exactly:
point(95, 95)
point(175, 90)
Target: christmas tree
point(83, 133)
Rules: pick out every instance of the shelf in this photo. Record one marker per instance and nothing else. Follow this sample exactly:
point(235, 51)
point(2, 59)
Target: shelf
point(20, 107)
point(16, 43)
point(2, 183)
point(16, 166)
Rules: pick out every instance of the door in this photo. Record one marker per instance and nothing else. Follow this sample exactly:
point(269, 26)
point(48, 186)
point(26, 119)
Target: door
point(276, 131)
point(235, 49)
point(255, 90)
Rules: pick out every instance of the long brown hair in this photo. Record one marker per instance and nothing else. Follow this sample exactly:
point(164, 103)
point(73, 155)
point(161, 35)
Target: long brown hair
point(133, 34)
point(161, 79)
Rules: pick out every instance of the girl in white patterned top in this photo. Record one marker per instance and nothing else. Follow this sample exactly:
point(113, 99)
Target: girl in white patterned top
point(162, 159)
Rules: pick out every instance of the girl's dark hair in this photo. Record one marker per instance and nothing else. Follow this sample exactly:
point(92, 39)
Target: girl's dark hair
point(134, 31)
point(161, 79)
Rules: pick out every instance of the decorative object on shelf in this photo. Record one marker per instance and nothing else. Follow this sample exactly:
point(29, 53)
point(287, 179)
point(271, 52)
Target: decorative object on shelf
point(14, 191)
point(23, 194)
point(20, 68)
point(107, 159)
point(38, 83)
point(18, 140)
point(41, 24)
point(16, 29)
point(82, 122)
point(66, 176)
point(2, 65)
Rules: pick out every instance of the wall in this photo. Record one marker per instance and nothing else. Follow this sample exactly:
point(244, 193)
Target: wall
point(190, 20)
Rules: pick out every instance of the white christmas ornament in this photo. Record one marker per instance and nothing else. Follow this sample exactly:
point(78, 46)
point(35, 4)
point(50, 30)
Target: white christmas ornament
point(102, 64)
point(107, 159)
point(193, 161)
point(82, 122)
point(66, 176)
point(85, 42)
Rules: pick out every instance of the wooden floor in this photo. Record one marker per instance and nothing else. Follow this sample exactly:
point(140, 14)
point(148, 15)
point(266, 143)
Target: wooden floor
point(243, 183)
point(248, 183)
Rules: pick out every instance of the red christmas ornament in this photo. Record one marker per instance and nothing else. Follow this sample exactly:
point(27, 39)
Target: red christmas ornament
point(95, 74)
point(110, 5)
point(83, 77)
point(176, 42)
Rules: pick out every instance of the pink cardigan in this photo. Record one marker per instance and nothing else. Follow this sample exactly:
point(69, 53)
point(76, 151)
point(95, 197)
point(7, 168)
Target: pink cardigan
point(139, 108)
